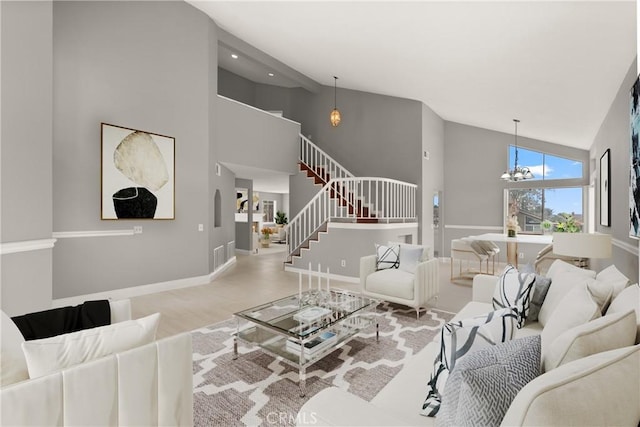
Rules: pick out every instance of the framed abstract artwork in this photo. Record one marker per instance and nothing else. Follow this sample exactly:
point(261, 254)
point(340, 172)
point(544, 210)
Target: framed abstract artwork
point(634, 166)
point(137, 174)
point(605, 194)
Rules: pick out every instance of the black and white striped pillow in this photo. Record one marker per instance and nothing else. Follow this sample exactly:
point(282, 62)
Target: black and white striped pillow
point(457, 339)
point(387, 256)
point(515, 290)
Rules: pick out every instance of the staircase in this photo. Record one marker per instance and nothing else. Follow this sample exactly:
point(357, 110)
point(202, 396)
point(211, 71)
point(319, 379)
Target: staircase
point(345, 198)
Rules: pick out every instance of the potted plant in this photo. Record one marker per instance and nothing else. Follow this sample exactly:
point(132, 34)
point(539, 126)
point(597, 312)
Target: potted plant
point(569, 225)
point(547, 226)
point(266, 232)
point(281, 218)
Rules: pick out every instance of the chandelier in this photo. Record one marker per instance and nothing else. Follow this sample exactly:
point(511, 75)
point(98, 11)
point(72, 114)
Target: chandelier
point(517, 173)
point(334, 117)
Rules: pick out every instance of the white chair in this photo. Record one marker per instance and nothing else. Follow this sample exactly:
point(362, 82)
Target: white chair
point(399, 286)
point(463, 251)
point(491, 250)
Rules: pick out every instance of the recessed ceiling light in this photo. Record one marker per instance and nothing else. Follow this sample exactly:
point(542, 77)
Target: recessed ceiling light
point(234, 56)
point(271, 74)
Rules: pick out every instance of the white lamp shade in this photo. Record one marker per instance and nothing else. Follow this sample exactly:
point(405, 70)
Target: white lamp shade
point(582, 245)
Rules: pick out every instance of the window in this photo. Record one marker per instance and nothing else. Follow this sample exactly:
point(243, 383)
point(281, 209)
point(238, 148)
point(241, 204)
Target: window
point(546, 166)
point(533, 205)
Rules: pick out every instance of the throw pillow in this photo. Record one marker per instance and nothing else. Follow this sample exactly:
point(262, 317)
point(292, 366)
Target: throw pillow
point(601, 293)
point(563, 266)
point(612, 275)
point(576, 308)
point(52, 354)
point(425, 249)
point(628, 299)
point(387, 256)
point(410, 258)
point(13, 367)
point(602, 334)
point(459, 338)
point(561, 284)
point(482, 385)
point(538, 295)
point(514, 290)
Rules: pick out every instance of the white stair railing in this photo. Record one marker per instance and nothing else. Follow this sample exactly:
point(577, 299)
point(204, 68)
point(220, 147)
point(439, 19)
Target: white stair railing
point(352, 200)
point(320, 162)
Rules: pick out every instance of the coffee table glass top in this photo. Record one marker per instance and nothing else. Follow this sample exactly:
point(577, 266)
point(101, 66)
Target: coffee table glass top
point(316, 312)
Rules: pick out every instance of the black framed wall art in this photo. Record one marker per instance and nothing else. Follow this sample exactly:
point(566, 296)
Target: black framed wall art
point(634, 162)
point(137, 174)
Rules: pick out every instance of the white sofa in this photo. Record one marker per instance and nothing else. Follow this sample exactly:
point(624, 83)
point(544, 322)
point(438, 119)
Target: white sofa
point(601, 389)
point(399, 285)
point(146, 385)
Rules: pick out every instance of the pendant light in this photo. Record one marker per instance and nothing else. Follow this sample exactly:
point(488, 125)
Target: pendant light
point(517, 173)
point(334, 117)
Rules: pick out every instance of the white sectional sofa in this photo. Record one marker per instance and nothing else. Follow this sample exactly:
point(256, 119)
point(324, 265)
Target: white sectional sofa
point(598, 389)
point(150, 384)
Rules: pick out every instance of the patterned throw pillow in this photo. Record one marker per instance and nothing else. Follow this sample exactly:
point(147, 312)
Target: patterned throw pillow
point(458, 339)
point(482, 386)
point(387, 256)
point(514, 290)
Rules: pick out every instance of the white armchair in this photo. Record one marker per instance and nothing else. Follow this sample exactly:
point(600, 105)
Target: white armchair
point(399, 286)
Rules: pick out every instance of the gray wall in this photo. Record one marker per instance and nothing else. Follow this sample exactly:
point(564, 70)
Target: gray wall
point(350, 244)
point(432, 175)
point(243, 230)
point(25, 171)
point(474, 159)
point(251, 137)
point(142, 65)
point(301, 190)
point(614, 135)
point(236, 87)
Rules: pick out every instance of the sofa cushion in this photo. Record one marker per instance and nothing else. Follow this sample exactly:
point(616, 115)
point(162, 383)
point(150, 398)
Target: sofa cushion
point(597, 390)
point(51, 354)
point(514, 290)
point(387, 256)
point(13, 367)
point(391, 282)
point(612, 275)
point(561, 283)
point(410, 258)
point(576, 308)
point(460, 338)
point(482, 385)
point(603, 334)
point(627, 299)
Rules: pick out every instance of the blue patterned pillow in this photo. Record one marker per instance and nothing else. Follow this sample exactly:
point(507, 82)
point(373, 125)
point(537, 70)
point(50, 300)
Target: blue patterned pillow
point(514, 290)
point(482, 386)
point(460, 338)
point(387, 256)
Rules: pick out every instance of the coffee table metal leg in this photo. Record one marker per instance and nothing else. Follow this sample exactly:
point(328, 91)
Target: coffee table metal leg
point(302, 380)
point(235, 340)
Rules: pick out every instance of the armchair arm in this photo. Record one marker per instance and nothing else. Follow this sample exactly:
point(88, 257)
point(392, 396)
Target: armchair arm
point(483, 288)
point(427, 280)
point(367, 266)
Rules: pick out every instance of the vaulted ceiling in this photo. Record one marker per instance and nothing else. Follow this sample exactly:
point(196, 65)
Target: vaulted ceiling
point(555, 65)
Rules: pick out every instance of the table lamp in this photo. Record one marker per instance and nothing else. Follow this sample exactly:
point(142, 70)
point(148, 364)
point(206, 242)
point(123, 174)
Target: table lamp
point(582, 246)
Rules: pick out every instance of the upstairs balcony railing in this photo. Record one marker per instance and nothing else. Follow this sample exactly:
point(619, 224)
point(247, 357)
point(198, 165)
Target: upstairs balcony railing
point(379, 200)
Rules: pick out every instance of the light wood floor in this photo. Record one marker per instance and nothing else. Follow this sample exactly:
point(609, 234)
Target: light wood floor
point(253, 280)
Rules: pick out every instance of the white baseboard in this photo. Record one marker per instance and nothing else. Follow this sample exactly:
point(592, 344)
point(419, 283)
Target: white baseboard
point(348, 279)
point(153, 288)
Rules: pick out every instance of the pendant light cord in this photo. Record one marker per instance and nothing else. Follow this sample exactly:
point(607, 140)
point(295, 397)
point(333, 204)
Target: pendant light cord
point(335, 88)
point(516, 139)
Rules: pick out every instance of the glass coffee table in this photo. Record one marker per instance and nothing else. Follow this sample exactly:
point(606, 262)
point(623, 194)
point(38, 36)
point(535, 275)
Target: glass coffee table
point(300, 330)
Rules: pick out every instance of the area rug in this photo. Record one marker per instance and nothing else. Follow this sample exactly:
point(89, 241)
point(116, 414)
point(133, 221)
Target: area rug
point(259, 390)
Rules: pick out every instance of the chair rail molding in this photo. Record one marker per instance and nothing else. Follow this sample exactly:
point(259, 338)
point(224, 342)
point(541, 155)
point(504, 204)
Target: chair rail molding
point(26, 246)
point(475, 227)
point(632, 249)
point(92, 233)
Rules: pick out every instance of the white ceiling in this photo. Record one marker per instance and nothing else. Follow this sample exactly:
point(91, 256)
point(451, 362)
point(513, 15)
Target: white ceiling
point(554, 65)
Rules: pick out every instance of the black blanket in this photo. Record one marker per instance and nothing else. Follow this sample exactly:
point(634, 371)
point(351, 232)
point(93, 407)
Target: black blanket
point(49, 323)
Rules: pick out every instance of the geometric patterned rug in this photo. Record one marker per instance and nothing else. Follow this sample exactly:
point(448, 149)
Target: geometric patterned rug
point(257, 389)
